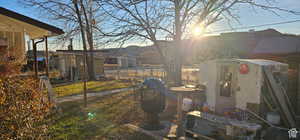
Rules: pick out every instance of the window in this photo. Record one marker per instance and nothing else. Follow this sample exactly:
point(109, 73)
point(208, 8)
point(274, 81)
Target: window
point(225, 81)
point(3, 49)
point(111, 61)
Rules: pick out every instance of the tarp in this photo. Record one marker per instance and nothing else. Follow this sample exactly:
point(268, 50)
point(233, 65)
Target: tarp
point(40, 58)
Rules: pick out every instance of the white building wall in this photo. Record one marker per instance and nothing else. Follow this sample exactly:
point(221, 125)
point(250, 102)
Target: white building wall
point(249, 87)
point(62, 66)
point(208, 77)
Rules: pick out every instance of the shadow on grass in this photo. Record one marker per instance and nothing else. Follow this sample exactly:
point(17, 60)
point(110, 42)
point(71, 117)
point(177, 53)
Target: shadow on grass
point(110, 113)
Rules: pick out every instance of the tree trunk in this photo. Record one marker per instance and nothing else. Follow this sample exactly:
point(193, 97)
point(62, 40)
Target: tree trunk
point(177, 47)
point(92, 74)
point(92, 41)
point(85, 52)
point(164, 60)
point(89, 35)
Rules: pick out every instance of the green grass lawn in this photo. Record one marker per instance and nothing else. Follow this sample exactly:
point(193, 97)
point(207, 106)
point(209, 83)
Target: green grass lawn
point(110, 113)
point(92, 86)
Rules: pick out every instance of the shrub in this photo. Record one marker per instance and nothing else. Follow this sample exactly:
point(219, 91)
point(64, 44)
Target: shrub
point(24, 110)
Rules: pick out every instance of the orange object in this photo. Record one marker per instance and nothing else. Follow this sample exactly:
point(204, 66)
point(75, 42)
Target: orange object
point(226, 113)
point(205, 109)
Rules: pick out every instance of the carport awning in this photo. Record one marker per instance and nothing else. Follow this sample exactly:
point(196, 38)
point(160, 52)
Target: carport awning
point(34, 28)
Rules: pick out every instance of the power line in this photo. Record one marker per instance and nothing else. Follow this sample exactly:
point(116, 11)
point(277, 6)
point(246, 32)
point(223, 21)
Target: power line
point(254, 26)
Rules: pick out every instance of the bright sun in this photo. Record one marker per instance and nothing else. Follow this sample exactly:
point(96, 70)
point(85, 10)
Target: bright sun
point(197, 31)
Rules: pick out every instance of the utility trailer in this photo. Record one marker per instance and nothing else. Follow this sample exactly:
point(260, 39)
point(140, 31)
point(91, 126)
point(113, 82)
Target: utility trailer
point(242, 95)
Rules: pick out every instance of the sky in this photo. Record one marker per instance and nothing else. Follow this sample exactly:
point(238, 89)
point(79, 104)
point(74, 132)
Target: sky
point(248, 16)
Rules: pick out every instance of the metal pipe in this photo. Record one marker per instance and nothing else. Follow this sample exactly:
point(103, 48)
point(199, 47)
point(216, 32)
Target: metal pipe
point(47, 56)
point(35, 56)
point(33, 65)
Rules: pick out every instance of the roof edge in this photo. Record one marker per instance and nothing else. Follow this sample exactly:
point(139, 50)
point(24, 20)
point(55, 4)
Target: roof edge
point(29, 20)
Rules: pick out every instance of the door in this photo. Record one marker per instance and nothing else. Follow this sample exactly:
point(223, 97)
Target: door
point(226, 83)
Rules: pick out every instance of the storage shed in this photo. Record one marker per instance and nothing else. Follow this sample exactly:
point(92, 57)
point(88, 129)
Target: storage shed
point(237, 83)
point(71, 62)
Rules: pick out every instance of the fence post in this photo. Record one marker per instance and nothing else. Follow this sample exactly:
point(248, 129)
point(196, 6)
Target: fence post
point(151, 72)
point(143, 69)
point(128, 76)
point(136, 73)
point(118, 74)
point(188, 78)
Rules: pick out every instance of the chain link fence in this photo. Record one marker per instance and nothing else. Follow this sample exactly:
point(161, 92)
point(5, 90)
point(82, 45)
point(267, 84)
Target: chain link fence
point(189, 74)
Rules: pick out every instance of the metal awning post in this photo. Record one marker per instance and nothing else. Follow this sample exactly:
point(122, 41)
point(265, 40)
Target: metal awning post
point(47, 56)
point(35, 56)
point(35, 59)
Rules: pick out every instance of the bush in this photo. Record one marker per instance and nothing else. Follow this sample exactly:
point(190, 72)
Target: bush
point(24, 110)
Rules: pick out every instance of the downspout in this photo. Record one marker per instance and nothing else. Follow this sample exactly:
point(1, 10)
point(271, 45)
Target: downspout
point(35, 56)
point(47, 56)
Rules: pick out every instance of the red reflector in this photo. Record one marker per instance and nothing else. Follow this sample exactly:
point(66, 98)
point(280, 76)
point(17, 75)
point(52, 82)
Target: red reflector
point(244, 69)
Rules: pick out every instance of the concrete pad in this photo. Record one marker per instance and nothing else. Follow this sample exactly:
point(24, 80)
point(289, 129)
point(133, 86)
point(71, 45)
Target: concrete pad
point(169, 132)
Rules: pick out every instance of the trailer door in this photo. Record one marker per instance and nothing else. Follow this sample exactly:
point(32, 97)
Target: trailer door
point(225, 98)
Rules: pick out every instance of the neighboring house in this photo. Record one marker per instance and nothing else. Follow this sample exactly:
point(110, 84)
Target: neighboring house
point(284, 46)
point(16, 29)
point(225, 45)
point(192, 50)
point(71, 62)
point(241, 44)
point(120, 57)
point(133, 56)
point(149, 56)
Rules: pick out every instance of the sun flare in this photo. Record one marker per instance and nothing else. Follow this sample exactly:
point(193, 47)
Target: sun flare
point(197, 31)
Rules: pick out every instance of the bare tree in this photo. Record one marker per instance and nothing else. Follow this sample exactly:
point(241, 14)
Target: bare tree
point(154, 20)
point(64, 13)
point(75, 2)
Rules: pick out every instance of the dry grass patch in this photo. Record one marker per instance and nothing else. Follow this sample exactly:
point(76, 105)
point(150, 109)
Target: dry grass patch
point(92, 86)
